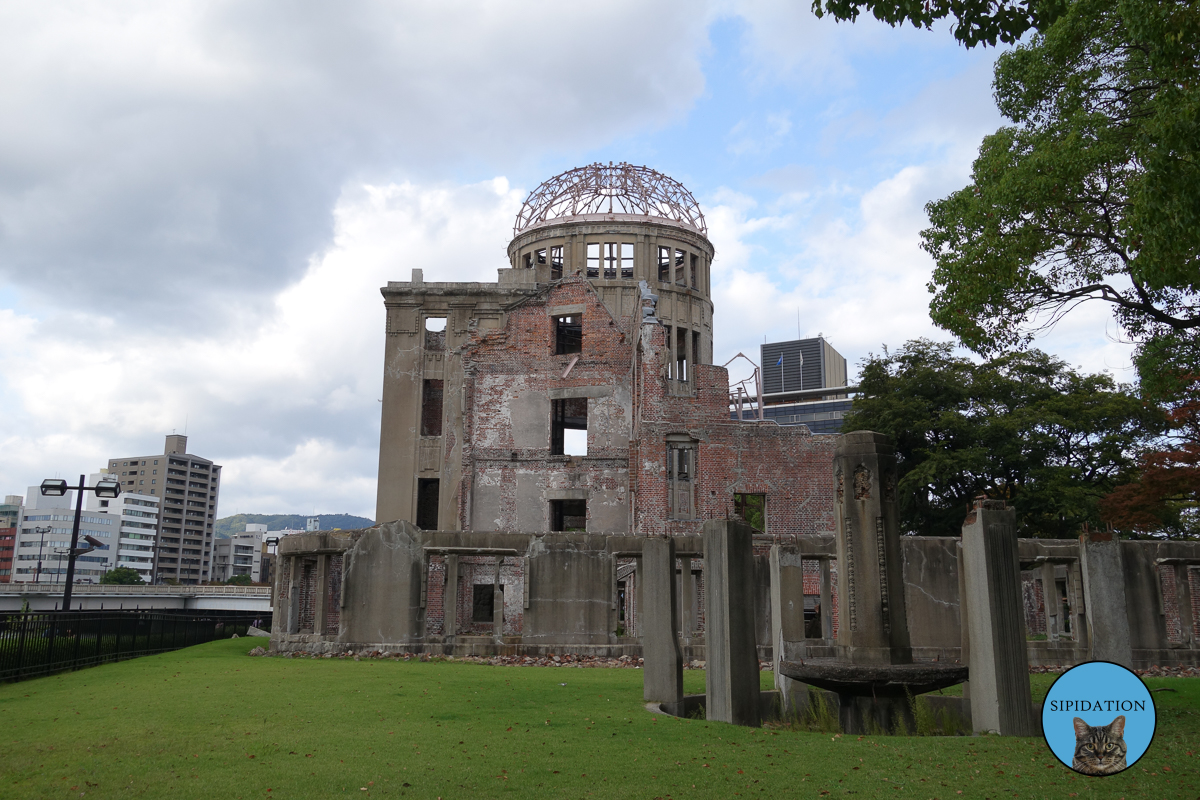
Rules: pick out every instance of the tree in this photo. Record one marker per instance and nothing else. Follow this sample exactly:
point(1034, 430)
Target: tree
point(976, 21)
point(1092, 195)
point(1165, 499)
point(123, 576)
point(1022, 427)
point(239, 580)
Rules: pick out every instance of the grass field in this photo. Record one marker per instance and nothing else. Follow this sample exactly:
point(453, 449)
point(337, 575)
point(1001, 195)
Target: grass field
point(211, 722)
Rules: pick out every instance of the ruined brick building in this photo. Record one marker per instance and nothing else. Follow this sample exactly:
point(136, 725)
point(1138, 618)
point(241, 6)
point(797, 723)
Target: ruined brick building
point(600, 330)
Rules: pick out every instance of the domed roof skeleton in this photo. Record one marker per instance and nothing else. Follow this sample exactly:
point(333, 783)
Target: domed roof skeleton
point(613, 189)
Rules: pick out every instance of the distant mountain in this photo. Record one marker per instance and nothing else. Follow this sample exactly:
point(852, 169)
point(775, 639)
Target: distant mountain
point(227, 526)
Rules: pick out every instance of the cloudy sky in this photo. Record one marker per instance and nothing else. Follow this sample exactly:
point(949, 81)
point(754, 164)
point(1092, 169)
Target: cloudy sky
point(200, 200)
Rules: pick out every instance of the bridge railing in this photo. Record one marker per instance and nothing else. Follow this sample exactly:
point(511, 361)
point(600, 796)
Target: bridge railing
point(133, 589)
point(33, 644)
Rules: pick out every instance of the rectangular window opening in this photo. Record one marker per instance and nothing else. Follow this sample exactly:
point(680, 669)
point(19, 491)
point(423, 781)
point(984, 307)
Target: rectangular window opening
point(568, 515)
point(483, 602)
point(680, 267)
point(680, 479)
point(695, 263)
point(556, 262)
point(751, 509)
point(611, 257)
point(568, 427)
point(664, 264)
point(696, 348)
point(593, 260)
point(435, 333)
point(626, 260)
point(540, 256)
point(431, 408)
point(568, 334)
point(427, 503)
point(681, 360)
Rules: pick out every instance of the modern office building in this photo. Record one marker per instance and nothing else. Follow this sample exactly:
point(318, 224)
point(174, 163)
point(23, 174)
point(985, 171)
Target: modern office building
point(188, 486)
point(241, 554)
point(135, 516)
point(44, 538)
point(10, 518)
point(793, 375)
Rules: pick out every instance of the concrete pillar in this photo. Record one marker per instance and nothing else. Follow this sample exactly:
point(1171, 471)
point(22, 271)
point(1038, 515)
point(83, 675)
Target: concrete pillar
point(497, 603)
point(662, 672)
point(1079, 627)
point(636, 628)
point(787, 623)
point(1050, 601)
point(295, 577)
point(1104, 598)
point(874, 625)
point(964, 656)
point(450, 598)
point(732, 667)
point(1000, 697)
point(1183, 601)
point(826, 601)
point(321, 601)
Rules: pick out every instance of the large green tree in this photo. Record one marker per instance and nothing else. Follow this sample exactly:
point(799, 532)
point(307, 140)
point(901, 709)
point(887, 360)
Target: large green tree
point(1022, 427)
point(1093, 194)
point(121, 576)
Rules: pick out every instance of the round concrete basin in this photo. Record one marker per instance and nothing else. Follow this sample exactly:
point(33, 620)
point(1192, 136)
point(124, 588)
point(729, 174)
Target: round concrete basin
point(882, 680)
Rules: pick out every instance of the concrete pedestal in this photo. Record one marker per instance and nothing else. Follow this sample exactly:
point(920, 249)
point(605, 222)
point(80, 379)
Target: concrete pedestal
point(732, 668)
point(662, 670)
point(999, 665)
point(1104, 598)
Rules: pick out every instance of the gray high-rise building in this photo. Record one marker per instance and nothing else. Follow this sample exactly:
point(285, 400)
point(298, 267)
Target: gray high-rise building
point(189, 486)
point(793, 373)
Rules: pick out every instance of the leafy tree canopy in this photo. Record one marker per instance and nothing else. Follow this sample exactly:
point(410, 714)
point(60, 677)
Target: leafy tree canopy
point(123, 576)
point(1022, 427)
point(239, 580)
point(1092, 194)
point(975, 21)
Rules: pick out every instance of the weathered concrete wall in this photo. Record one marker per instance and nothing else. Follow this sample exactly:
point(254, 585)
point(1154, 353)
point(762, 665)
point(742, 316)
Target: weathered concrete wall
point(931, 596)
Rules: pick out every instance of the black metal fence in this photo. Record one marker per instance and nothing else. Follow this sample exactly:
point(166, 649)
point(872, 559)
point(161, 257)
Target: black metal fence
point(33, 644)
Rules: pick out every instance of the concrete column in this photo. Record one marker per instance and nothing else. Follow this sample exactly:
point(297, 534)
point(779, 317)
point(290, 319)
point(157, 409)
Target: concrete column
point(497, 603)
point(450, 598)
point(1104, 598)
point(964, 656)
point(1183, 601)
point(1050, 601)
point(826, 601)
point(321, 601)
point(874, 625)
point(636, 628)
point(1000, 697)
point(295, 577)
point(787, 623)
point(1079, 627)
point(687, 599)
point(732, 667)
point(662, 672)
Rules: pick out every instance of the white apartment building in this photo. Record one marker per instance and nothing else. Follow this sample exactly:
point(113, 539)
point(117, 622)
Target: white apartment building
point(241, 554)
point(44, 539)
point(135, 515)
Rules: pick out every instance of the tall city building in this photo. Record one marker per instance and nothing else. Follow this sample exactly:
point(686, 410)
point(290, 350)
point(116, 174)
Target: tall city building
point(793, 375)
point(135, 518)
point(188, 486)
point(44, 539)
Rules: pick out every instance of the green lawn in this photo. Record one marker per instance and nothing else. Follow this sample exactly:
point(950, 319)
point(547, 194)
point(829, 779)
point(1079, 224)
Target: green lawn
point(211, 722)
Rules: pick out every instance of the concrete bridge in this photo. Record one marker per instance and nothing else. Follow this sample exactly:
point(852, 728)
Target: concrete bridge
point(96, 597)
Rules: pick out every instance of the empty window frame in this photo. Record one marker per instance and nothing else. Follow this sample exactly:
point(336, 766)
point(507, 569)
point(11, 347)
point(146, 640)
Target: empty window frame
point(483, 602)
point(527, 261)
point(751, 509)
point(568, 334)
point(568, 515)
point(681, 267)
point(695, 268)
point(431, 408)
point(682, 363)
point(664, 264)
point(556, 262)
point(539, 256)
point(427, 503)
point(696, 359)
point(626, 260)
point(681, 479)
point(435, 333)
point(593, 260)
point(568, 418)
point(612, 258)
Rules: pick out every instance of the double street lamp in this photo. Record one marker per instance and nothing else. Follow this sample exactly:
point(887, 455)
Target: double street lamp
point(57, 487)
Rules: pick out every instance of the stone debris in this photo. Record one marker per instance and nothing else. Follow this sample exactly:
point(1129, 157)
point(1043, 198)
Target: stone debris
point(565, 660)
point(1154, 671)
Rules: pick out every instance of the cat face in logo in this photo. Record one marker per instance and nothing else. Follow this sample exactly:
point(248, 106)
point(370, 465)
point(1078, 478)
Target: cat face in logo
point(1099, 750)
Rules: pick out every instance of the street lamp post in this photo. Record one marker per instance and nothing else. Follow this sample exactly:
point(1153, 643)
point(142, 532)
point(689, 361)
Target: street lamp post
point(37, 577)
point(57, 487)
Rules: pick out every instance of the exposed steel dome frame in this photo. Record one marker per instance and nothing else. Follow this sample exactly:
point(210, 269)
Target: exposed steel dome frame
point(614, 189)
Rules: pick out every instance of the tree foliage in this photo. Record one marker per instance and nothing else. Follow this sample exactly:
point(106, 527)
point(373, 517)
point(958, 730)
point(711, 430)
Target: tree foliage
point(975, 21)
point(1022, 427)
point(123, 576)
point(1092, 195)
point(1165, 499)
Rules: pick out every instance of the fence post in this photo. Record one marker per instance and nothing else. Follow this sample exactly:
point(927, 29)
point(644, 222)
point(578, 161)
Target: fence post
point(100, 639)
point(53, 640)
point(21, 644)
point(78, 636)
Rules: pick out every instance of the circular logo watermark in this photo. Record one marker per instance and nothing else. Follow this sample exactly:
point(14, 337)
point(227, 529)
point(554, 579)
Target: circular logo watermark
point(1098, 718)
